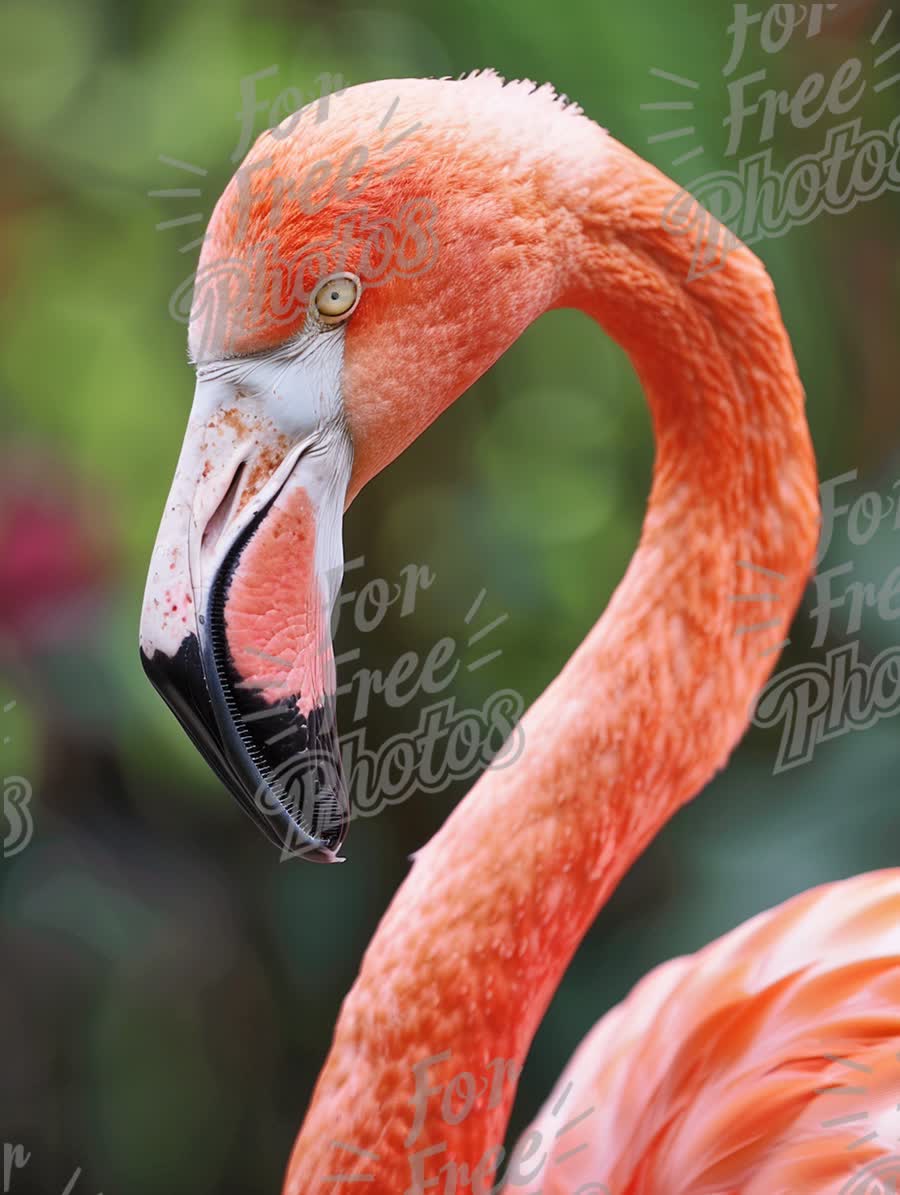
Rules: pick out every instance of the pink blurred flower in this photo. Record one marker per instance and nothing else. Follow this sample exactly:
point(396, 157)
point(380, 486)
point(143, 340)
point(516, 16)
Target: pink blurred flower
point(55, 554)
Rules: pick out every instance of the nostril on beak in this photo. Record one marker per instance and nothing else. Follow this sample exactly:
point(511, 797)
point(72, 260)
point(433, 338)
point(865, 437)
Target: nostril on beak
point(223, 512)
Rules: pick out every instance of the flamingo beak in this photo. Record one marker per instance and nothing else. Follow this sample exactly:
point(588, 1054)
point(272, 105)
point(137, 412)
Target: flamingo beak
point(235, 629)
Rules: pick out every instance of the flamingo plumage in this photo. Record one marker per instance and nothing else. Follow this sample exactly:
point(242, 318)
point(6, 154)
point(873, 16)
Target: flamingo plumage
point(726, 1072)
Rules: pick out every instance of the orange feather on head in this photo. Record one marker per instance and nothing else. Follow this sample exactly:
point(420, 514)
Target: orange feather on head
point(459, 243)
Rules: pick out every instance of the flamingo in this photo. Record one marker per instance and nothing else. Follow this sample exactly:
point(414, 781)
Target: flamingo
point(768, 1061)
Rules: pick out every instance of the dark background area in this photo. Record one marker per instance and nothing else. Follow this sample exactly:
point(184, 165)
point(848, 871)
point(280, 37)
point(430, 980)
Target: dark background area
point(169, 988)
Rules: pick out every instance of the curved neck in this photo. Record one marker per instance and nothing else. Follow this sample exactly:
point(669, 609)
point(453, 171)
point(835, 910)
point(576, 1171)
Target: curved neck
point(464, 963)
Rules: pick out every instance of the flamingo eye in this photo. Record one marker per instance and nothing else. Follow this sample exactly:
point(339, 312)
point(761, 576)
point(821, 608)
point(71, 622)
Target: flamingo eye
point(336, 297)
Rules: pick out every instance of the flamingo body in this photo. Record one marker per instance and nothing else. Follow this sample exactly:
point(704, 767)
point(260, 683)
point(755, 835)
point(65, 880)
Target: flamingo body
point(766, 1063)
point(706, 1078)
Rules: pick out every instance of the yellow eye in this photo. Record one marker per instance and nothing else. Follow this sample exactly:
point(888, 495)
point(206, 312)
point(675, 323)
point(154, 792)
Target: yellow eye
point(337, 297)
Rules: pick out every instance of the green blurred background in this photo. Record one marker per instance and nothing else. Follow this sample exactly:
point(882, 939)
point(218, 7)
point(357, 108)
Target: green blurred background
point(169, 989)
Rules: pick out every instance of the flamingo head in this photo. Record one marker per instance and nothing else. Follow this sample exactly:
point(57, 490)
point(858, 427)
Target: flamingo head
point(359, 272)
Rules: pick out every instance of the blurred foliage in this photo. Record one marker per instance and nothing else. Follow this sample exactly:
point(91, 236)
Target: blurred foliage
point(169, 990)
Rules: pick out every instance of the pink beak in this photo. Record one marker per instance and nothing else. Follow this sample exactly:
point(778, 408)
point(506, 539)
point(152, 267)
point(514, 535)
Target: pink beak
point(235, 630)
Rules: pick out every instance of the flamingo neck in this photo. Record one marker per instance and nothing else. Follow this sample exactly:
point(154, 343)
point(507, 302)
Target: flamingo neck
point(476, 941)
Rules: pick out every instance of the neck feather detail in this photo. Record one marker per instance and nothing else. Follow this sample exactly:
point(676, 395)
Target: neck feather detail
point(648, 708)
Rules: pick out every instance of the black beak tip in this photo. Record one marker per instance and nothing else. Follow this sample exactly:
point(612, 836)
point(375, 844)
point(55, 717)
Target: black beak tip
point(300, 803)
